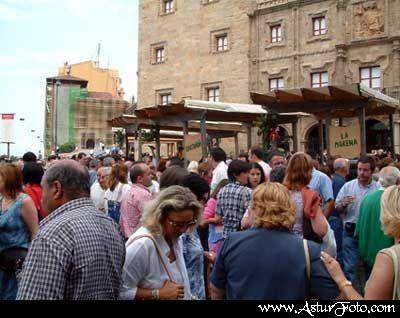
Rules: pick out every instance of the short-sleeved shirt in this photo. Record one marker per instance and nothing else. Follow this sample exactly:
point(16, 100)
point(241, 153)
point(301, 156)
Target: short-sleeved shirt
point(321, 183)
point(220, 173)
point(355, 189)
point(338, 182)
point(371, 238)
point(270, 264)
point(232, 202)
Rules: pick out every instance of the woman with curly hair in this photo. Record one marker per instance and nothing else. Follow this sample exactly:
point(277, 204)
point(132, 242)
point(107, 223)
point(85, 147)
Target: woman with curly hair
point(268, 261)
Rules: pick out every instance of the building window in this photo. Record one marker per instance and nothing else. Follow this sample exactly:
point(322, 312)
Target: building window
point(276, 33)
point(319, 26)
point(222, 42)
point(276, 83)
point(213, 94)
point(160, 55)
point(168, 6)
point(371, 77)
point(165, 99)
point(319, 79)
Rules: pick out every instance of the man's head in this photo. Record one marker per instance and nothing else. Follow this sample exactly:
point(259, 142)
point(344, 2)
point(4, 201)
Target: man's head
point(277, 160)
point(82, 159)
point(64, 181)
point(108, 162)
point(365, 169)
point(140, 173)
point(102, 176)
point(389, 176)
point(238, 171)
point(93, 164)
point(341, 166)
point(243, 157)
point(217, 155)
point(29, 157)
point(198, 186)
point(256, 154)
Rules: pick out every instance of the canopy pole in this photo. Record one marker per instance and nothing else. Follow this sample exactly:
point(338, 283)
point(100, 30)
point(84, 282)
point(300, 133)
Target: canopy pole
point(328, 122)
point(295, 134)
point(321, 138)
point(185, 134)
point(236, 144)
point(392, 136)
point(249, 141)
point(158, 144)
point(203, 130)
point(363, 131)
point(139, 144)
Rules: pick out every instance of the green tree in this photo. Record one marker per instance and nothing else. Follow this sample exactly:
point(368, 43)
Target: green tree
point(67, 147)
point(120, 138)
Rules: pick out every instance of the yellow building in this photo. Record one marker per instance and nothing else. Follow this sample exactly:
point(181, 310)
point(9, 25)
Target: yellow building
point(99, 79)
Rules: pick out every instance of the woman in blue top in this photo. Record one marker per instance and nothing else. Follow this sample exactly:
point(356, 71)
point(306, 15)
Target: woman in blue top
point(18, 222)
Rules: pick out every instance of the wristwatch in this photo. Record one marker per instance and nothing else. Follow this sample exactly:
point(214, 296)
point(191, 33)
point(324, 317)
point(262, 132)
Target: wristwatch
point(344, 284)
point(155, 294)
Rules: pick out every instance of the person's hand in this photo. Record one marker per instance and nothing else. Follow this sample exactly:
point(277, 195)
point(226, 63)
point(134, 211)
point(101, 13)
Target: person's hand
point(333, 268)
point(347, 200)
point(211, 256)
point(171, 291)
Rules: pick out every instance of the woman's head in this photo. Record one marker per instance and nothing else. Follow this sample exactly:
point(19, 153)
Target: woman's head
point(390, 211)
point(219, 186)
point(10, 180)
point(256, 175)
point(119, 173)
point(298, 171)
point(32, 173)
point(173, 212)
point(273, 206)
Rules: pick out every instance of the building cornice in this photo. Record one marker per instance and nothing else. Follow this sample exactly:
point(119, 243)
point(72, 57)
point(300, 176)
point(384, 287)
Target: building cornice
point(278, 5)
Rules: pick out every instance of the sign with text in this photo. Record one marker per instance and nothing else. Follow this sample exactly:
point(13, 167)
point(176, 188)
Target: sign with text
point(345, 141)
point(7, 128)
point(193, 147)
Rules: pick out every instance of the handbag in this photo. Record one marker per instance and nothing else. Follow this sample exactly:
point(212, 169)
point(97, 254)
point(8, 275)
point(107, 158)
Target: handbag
point(11, 259)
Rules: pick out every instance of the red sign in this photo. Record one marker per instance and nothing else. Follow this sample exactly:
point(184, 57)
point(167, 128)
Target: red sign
point(7, 116)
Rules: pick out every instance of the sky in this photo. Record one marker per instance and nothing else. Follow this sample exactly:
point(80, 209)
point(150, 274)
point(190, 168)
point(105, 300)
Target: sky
point(38, 36)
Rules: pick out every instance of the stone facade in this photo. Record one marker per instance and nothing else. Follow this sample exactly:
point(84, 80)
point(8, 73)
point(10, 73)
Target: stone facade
point(357, 34)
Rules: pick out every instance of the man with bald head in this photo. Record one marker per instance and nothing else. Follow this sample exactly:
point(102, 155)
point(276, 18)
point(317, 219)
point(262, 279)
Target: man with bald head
point(133, 201)
point(78, 252)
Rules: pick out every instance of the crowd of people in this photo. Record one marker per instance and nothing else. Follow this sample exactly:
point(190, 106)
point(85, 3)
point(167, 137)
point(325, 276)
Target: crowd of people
point(260, 226)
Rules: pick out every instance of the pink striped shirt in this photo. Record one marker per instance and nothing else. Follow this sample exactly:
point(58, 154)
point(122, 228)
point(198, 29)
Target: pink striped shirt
point(132, 208)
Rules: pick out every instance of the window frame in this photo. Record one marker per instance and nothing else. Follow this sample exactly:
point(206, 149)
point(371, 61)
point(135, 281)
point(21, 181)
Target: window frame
point(159, 59)
point(318, 32)
point(371, 78)
point(224, 47)
point(168, 6)
point(278, 36)
point(320, 82)
point(276, 80)
point(214, 97)
point(168, 97)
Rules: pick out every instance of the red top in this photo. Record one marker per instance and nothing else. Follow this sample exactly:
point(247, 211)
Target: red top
point(35, 192)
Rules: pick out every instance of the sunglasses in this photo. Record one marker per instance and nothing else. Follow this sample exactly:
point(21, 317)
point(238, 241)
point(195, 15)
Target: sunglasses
point(177, 225)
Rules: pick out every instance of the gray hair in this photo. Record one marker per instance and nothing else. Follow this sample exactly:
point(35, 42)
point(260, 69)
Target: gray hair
point(108, 162)
point(105, 170)
point(74, 178)
point(340, 163)
point(193, 167)
point(171, 199)
point(389, 176)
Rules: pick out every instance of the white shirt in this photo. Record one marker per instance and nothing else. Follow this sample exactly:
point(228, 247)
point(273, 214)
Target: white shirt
point(267, 169)
point(97, 196)
point(117, 194)
point(144, 269)
point(220, 173)
point(155, 187)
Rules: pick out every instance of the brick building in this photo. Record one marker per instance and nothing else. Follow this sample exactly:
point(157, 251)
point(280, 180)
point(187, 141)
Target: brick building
point(221, 50)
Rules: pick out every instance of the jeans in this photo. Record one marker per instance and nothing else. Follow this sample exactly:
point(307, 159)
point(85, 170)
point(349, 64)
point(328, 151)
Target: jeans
point(336, 225)
point(350, 255)
point(114, 210)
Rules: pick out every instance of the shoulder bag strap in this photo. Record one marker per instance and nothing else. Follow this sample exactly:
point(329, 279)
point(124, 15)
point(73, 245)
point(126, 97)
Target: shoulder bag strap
point(308, 265)
point(157, 249)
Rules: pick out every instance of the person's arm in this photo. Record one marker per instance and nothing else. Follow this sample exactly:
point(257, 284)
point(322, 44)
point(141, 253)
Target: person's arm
point(340, 202)
point(30, 216)
point(327, 195)
point(329, 208)
point(319, 223)
point(216, 293)
point(169, 291)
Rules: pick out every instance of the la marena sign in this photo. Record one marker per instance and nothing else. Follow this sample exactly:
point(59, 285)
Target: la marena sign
point(345, 141)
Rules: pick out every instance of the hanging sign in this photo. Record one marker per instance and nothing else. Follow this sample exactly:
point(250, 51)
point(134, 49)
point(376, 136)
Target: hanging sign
point(345, 141)
point(193, 147)
point(7, 128)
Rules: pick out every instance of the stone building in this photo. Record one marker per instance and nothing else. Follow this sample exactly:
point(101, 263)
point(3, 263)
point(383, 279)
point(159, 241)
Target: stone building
point(77, 108)
point(220, 50)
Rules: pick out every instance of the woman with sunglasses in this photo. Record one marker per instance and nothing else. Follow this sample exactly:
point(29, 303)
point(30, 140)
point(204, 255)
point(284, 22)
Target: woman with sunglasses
point(154, 264)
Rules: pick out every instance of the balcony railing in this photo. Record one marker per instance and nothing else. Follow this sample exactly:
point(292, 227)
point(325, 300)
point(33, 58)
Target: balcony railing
point(392, 91)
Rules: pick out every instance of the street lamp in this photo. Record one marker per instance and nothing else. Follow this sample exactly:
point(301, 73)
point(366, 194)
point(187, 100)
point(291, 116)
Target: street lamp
point(58, 84)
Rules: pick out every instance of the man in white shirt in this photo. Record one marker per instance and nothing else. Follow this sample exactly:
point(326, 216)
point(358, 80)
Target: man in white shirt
point(256, 155)
point(220, 172)
point(98, 189)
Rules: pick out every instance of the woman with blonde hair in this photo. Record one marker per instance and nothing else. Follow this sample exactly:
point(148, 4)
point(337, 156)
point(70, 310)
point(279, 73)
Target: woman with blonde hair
point(384, 281)
point(268, 261)
point(118, 187)
point(154, 264)
point(310, 220)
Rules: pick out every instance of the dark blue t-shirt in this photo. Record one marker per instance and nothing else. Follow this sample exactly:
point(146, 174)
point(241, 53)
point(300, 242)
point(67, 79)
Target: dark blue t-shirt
point(270, 264)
